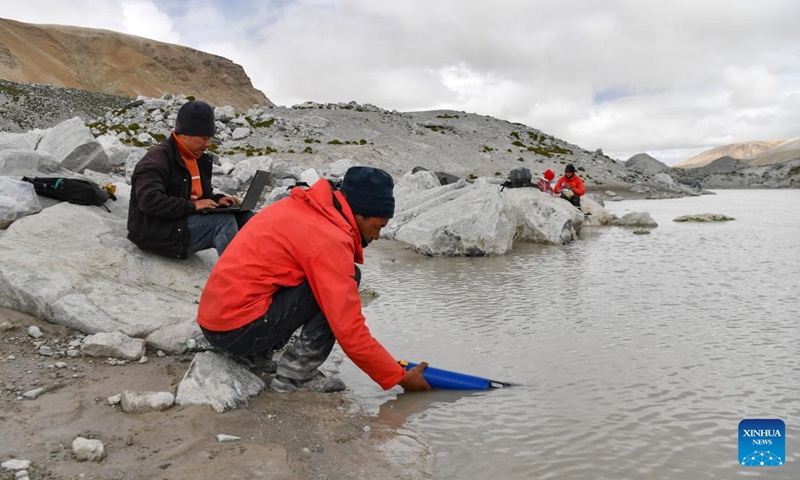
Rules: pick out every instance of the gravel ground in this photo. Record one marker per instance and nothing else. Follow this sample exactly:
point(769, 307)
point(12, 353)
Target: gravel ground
point(283, 436)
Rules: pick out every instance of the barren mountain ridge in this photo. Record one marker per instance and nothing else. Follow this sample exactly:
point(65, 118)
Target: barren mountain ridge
point(119, 64)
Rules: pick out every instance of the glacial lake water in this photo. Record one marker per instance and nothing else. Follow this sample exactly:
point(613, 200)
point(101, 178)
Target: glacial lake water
point(636, 356)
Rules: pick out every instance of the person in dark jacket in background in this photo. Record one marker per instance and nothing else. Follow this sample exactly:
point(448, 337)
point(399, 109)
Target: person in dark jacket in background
point(171, 183)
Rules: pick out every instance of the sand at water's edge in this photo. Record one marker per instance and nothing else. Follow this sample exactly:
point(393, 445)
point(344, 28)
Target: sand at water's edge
point(296, 436)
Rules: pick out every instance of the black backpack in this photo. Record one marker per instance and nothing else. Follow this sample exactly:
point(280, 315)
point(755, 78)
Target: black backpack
point(72, 190)
point(519, 177)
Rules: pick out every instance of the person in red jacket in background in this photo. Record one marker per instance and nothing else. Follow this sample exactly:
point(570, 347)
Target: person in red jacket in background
point(544, 183)
point(570, 186)
point(294, 266)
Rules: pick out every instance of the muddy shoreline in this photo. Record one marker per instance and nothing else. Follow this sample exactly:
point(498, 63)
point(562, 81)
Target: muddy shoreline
point(282, 436)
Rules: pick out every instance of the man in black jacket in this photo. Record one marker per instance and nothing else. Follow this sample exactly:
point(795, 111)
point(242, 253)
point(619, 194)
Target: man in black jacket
point(171, 183)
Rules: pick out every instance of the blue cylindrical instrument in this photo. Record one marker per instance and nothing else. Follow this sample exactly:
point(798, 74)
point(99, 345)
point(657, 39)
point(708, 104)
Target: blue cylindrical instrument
point(445, 379)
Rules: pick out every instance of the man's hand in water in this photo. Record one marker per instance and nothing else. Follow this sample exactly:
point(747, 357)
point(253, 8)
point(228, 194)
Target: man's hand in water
point(414, 381)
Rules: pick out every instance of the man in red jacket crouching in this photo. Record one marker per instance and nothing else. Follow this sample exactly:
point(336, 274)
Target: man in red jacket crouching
point(293, 266)
point(570, 186)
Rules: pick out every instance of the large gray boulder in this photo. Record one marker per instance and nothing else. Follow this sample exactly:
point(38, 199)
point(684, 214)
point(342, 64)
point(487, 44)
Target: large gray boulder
point(337, 169)
point(73, 146)
point(664, 182)
point(453, 220)
point(477, 218)
point(73, 265)
point(18, 199)
point(119, 154)
point(26, 162)
point(635, 219)
point(244, 171)
point(543, 218)
point(218, 381)
point(20, 141)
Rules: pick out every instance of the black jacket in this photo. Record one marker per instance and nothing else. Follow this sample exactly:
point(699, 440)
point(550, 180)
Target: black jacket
point(161, 190)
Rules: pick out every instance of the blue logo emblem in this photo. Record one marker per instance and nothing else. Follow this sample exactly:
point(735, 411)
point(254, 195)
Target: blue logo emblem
point(762, 442)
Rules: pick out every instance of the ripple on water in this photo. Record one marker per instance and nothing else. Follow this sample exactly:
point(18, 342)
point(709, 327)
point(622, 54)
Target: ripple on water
point(636, 356)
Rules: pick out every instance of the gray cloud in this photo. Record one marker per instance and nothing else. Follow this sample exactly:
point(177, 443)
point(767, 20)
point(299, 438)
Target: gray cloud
point(626, 76)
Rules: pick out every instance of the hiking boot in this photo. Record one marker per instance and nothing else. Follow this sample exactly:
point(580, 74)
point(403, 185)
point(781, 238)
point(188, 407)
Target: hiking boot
point(199, 344)
point(263, 363)
point(258, 362)
point(319, 383)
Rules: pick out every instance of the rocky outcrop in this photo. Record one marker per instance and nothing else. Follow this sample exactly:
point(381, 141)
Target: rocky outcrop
point(704, 217)
point(119, 64)
point(724, 165)
point(153, 297)
point(458, 145)
point(329, 137)
point(476, 219)
point(28, 106)
point(732, 173)
point(74, 148)
point(645, 164)
point(635, 219)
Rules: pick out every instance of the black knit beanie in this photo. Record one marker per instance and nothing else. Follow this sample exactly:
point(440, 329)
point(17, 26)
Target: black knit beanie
point(196, 118)
point(369, 192)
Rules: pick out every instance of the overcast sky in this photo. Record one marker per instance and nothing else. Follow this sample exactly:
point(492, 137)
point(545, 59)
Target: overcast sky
point(670, 78)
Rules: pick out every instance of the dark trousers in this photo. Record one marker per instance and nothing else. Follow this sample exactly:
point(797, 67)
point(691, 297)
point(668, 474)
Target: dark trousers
point(575, 200)
point(291, 308)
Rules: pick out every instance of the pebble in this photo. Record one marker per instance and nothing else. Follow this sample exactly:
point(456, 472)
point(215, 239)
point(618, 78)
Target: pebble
point(143, 359)
point(22, 475)
point(160, 353)
point(227, 438)
point(368, 430)
point(73, 353)
point(114, 399)
point(12, 357)
point(16, 464)
point(142, 402)
point(5, 326)
point(88, 449)
point(75, 343)
point(61, 365)
point(46, 351)
point(33, 394)
point(34, 331)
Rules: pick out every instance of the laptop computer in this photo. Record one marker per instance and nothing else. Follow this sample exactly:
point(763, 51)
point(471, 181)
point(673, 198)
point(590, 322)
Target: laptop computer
point(250, 198)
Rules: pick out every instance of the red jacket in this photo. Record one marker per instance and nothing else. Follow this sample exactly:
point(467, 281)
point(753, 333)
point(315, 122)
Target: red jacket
point(575, 183)
point(303, 237)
